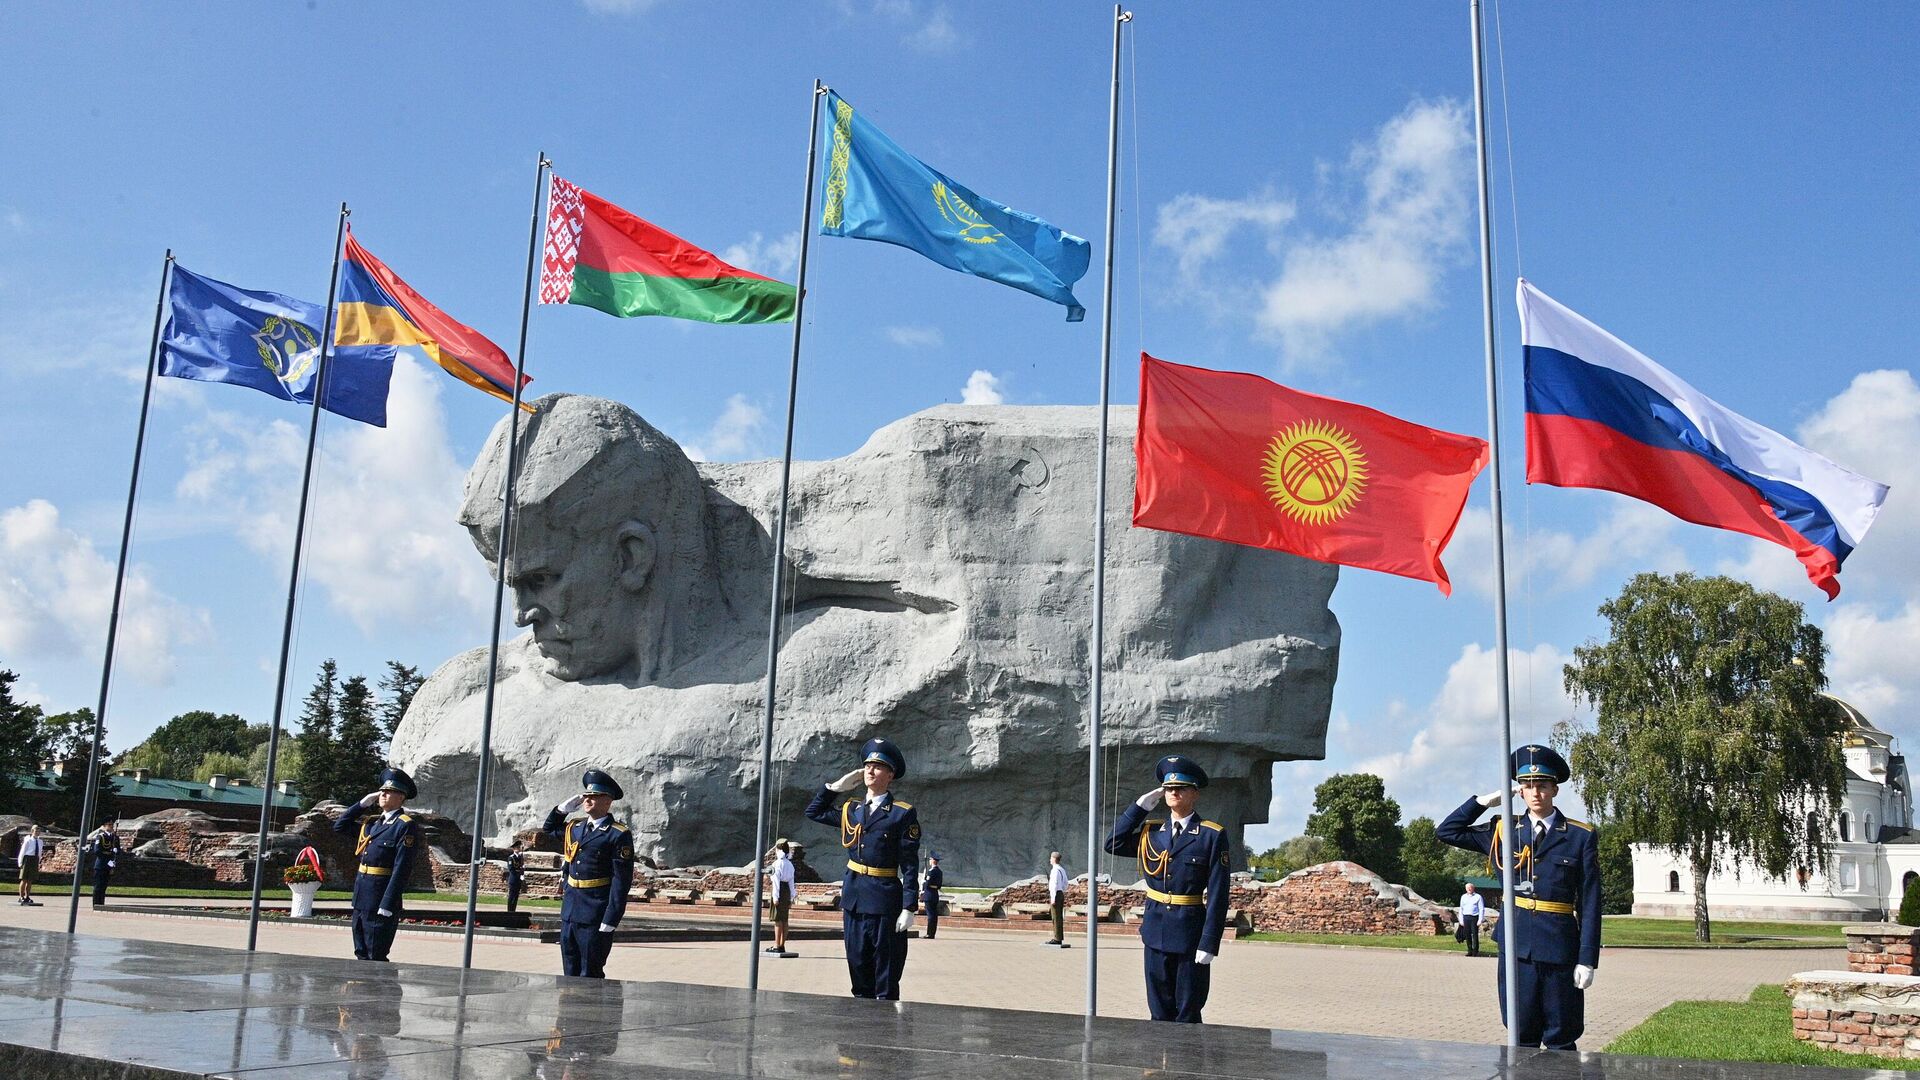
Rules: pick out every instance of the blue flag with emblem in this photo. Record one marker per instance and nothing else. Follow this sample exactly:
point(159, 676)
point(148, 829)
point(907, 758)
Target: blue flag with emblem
point(877, 191)
point(216, 332)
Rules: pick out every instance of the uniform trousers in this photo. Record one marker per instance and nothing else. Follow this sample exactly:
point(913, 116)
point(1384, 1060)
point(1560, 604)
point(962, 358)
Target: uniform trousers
point(1176, 986)
point(373, 934)
point(102, 877)
point(584, 950)
point(1551, 1012)
point(932, 908)
point(875, 955)
point(513, 892)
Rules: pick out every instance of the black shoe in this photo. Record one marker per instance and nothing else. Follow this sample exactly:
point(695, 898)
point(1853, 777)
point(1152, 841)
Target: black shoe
point(773, 949)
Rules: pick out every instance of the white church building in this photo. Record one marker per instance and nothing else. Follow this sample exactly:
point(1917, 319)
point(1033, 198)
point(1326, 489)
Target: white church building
point(1877, 852)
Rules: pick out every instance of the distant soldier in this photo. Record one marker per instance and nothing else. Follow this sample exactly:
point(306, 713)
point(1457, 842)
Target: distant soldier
point(595, 877)
point(516, 876)
point(387, 845)
point(930, 893)
point(1184, 860)
point(1555, 935)
point(880, 891)
point(105, 849)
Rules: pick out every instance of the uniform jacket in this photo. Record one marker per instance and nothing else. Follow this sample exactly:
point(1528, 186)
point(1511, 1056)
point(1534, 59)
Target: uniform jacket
point(930, 886)
point(392, 846)
point(604, 855)
point(105, 849)
point(888, 839)
point(1195, 863)
point(1563, 868)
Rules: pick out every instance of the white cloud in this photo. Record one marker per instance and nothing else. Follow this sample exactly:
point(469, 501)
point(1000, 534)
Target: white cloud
point(983, 388)
point(1197, 227)
point(936, 32)
point(16, 221)
point(776, 257)
point(1871, 663)
point(735, 435)
point(916, 337)
point(56, 591)
point(383, 537)
point(1415, 213)
point(618, 7)
point(925, 27)
point(1633, 537)
point(111, 333)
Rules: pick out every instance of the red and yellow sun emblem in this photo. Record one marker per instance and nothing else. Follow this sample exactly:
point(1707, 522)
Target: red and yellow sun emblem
point(1315, 472)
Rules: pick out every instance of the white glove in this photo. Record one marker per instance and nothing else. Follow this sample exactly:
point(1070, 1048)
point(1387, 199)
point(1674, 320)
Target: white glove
point(606, 928)
point(371, 798)
point(111, 864)
point(904, 923)
point(1492, 798)
point(385, 914)
point(1150, 800)
point(572, 804)
point(848, 782)
point(1582, 976)
point(1203, 957)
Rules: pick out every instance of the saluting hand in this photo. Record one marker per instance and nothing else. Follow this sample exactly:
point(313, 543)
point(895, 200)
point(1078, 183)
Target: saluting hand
point(572, 804)
point(1492, 798)
point(1582, 976)
point(848, 782)
point(1150, 800)
point(370, 798)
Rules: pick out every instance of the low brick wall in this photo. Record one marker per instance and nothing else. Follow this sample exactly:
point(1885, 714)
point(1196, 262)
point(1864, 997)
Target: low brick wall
point(1881, 948)
point(1857, 1012)
point(1340, 898)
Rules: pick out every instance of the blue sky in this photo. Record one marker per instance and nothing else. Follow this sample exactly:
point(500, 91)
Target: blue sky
point(1729, 188)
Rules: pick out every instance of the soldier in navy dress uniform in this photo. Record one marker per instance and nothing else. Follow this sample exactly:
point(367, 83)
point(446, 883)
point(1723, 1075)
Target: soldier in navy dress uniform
point(105, 849)
point(1555, 936)
point(387, 845)
point(595, 877)
point(1185, 862)
point(880, 893)
point(930, 893)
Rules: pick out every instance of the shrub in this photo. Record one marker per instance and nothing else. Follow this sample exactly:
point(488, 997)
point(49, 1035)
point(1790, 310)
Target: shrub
point(1910, 904)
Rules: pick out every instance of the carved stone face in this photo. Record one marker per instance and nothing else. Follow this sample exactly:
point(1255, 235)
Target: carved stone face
point(582, 595)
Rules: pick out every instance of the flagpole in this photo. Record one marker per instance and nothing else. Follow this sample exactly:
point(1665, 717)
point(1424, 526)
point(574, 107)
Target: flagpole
point(478, 852)
point(1510, 950)
point(1120, 18)
point(119, 581)
point(293, 588)
point(760, 824)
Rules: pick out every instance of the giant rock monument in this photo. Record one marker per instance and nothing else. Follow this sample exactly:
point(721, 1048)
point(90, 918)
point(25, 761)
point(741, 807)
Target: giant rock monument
point(940, 594)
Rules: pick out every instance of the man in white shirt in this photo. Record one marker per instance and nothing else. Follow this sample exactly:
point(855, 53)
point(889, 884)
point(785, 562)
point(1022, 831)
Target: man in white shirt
point(1472, 907)
point(1057, 896)
point(31, 848)
point(783, 889)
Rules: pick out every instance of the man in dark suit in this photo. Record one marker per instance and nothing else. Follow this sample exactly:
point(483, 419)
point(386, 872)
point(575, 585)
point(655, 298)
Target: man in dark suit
point(388, 843)
point(930, 893)
point(595, 877)
point(880, 892)
point(1555, 936)
point(1185, 862)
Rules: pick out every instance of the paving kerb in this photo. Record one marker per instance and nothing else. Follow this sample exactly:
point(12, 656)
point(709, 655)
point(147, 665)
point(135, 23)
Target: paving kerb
point(1390, 992)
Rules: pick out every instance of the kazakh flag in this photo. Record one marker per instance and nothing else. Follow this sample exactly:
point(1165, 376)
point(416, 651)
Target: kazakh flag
point(877, 191)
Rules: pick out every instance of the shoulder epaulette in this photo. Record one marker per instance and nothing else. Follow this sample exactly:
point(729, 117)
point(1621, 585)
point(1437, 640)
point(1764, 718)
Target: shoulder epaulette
point(619, 826)
point(903, 805)
point(408, 818)
point(1214, 825)
point(1154, 823)
point(1579, 824)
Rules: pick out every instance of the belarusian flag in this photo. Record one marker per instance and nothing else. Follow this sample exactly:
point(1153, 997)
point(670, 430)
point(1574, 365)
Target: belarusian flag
point(604, 257)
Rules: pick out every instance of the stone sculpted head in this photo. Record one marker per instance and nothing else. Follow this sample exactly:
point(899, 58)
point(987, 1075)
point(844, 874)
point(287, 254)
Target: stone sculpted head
point(610, 559)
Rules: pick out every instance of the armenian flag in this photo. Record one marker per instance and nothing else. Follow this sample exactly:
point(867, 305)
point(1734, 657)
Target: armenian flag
point(377, 308)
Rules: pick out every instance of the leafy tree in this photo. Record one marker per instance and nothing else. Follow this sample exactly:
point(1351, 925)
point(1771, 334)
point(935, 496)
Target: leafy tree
point(219, 763)
point(1425, 859)
point(21, 748)
point(360, 740)
point(315, 773)
point(1711, 739)
point(1616, 868)
point(175, 748)
point(287, 767)
point(1295, 854)
point(399, 685)
point(68, 737)
point(1910, 904)
point(1352, 813)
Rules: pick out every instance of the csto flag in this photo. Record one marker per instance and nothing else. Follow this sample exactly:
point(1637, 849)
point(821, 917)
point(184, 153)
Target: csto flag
point(1601, 415)
point(377, 308)
point(601, 256)
point(877, 191)
point(216, 332)
point(1236, 457)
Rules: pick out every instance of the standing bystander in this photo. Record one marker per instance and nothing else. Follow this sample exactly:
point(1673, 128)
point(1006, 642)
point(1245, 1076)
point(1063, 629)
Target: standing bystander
point(783, 889)
point(1057, 899)
point(1472, 908)
point(31, 848)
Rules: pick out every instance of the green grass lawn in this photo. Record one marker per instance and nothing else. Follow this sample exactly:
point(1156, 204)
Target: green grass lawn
point(1615, 930)
point(1758, 1029)
point(1440, 943)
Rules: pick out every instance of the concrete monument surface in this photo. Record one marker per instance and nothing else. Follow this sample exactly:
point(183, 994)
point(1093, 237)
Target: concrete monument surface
point(940, 595)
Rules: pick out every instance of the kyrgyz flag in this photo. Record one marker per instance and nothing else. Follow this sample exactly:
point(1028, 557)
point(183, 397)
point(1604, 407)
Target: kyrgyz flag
point(1232, 456)
point(603, 257)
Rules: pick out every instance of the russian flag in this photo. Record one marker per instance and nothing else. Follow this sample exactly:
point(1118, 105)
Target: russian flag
point(1602, 415)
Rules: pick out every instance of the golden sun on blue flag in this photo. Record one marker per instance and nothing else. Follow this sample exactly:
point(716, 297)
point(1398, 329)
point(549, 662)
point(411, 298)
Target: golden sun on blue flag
point(877, 191)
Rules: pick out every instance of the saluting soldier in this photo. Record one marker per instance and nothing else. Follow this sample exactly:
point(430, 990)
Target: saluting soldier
point(1185, 862)
point(1555, 935)
point(880, 892)
point(388, 844)
point(105, 849)
point(596, 875)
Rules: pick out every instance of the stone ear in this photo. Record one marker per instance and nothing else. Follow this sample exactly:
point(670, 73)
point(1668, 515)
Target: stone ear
point(636, 553)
